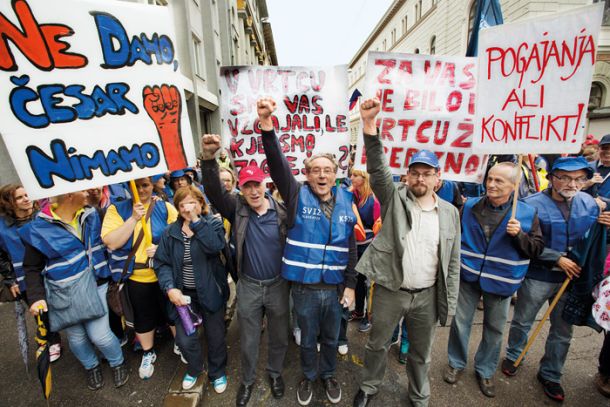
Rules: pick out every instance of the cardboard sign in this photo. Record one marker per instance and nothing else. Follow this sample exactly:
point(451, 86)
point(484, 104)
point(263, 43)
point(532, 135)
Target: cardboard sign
point(311, 115)
point(90, 93)
point(534, 83)
point(427, 102)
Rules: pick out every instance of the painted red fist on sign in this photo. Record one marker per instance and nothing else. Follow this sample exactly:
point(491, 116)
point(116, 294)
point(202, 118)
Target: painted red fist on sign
point(164, 106)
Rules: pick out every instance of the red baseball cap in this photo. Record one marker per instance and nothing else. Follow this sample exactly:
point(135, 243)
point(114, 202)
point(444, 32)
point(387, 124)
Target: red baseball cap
point(251, 173)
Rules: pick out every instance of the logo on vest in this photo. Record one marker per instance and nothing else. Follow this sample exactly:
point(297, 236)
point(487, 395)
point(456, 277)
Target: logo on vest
point(311, 213)
point(346, 219)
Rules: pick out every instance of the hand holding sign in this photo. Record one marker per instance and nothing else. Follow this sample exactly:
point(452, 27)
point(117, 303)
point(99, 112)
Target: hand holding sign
point(265, 107)
point(368, 112)
point(163, 105)
point(210, 143)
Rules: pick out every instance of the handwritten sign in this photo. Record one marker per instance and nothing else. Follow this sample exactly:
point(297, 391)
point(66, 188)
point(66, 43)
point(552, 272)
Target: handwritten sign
point(534, 83)
point(311, 115)
point(90, 93)
point(427, 102)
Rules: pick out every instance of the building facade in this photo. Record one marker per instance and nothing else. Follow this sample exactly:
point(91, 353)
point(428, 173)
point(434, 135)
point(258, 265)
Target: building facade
point(444, 26)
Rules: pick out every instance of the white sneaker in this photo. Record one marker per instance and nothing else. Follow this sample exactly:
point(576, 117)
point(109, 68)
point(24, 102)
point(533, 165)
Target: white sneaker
point(54, 352)
point(147, 367)
point(296, 332)
point(188, 382)
point(220, 384)
point(343, 349)
point(177, 352)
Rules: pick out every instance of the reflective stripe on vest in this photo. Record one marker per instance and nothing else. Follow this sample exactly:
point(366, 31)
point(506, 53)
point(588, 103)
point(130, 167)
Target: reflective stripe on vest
point(317, 249)
point(496, 265)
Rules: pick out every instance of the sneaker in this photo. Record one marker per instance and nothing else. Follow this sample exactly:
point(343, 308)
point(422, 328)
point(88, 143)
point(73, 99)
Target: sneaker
point(188, 382)
point(355, 316)
point(177, 352)
point(147, 367)
point(55, 352)
point(220, 384)
point(296, 332)
point(343, 349)
point(95, 380)
point(552, 389)
point(364, 326)
point(452, 375)
point(304, 392)
point(333, 390)
point(120, 375)
point(404, 350)
point(508, 367)
point(602, 383)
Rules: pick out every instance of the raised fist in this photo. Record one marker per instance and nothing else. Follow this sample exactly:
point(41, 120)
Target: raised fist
point(210, 144)
point(164, 106)
point(368, 112)
point(265, 107)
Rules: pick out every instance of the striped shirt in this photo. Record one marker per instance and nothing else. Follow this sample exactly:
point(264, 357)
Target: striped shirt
point(188, 276)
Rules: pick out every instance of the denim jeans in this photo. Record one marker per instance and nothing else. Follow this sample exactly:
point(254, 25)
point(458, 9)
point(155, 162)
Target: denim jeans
point(83, 336)
point(495, 315)
point(319, 316)
point(530, 298)
point(401, 329)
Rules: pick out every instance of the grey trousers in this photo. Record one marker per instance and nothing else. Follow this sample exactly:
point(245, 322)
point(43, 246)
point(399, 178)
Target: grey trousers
point(254, 300)
point(420, 314)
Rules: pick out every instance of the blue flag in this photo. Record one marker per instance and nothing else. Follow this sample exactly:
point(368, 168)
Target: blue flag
point(488, 14)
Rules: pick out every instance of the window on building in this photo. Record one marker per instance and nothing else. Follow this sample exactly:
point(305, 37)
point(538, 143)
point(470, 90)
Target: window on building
point(384, 45)
point(393, 36)
point(433, 3)
point(198, 57)
point(404, 25)
point(418, 10)
point(471, 14)
point(433, 45)
point(606, 19)
point(596, 97)
point(416, 51)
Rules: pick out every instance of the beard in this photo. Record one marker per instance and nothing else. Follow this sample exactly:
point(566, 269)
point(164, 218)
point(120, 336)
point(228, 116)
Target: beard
point(567, 194)
point(419, 190)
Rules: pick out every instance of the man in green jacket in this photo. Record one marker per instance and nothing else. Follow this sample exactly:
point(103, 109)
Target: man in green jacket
point(414, 261)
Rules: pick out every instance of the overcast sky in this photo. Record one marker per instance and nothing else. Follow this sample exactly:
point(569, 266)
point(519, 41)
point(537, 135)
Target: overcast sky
point(322, 32)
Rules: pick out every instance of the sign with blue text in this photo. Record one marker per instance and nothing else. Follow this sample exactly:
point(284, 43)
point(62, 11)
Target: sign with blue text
point(90, 94)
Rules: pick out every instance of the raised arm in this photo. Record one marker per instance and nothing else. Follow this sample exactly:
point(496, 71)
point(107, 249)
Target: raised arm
point(279, 168)
point(224, 201)
point(376, 164)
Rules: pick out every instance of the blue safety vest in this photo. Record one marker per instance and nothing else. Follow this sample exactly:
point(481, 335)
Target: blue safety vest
point(157, 222)
point(68, 254)
point(603, 189)
point(317, 249)
point(496, 265)
point(13, 246)
point(447, 191)
point(560, 235)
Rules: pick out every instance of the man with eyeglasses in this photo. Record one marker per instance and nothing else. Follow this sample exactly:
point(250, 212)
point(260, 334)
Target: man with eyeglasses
point(414, 261)
point(319, 257)
point(565, 214)
point(496, 251)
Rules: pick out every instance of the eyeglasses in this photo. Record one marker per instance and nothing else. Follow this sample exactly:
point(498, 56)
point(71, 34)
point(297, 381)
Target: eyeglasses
point(318, 171)
point(426, 175)
point(567, 180)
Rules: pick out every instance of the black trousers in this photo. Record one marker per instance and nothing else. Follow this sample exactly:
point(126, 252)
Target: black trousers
point(604, 356)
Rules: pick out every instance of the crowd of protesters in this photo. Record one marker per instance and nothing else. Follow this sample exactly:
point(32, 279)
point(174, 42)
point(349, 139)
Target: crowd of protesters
point(305, 258)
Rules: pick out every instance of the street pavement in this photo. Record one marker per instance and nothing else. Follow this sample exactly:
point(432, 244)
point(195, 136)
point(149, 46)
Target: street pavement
point(17, 389)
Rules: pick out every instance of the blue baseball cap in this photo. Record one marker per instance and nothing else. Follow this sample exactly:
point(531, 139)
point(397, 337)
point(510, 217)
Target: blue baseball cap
point(156, 178)
point(572, 164)
point(425, 157)
point(177, 174)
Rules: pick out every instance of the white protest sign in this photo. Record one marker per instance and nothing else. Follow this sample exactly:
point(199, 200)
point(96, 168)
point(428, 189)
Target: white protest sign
point(311, 115)
point(427, 102)
point(534, 83)
point(89, 93)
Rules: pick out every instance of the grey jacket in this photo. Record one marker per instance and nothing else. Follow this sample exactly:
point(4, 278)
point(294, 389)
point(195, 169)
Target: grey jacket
point(382, 262)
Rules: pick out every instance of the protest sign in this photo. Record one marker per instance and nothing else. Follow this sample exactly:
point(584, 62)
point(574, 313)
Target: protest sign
point(90, 93)
point(427, 102)
point(311, 115)
point(534, 83)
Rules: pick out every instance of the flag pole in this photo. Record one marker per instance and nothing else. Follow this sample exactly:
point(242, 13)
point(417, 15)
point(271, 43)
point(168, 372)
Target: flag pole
point(517, 183)
point(136, 199)
point(534, 172)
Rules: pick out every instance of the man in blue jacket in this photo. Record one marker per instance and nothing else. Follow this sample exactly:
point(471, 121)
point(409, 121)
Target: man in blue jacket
point(496, 251)
point(319, 257)
point(566, 215)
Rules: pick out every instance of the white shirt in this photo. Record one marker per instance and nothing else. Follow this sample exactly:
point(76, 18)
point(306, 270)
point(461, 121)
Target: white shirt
point(420, 257)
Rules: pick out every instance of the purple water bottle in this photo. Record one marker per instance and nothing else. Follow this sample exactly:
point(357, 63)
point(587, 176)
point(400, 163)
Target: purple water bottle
point(187, 321)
